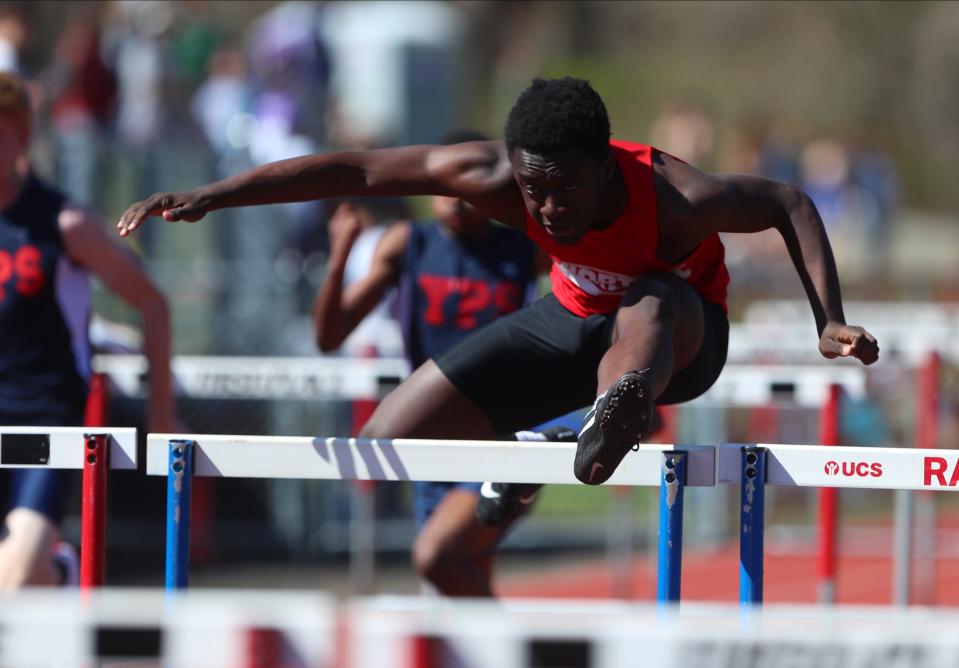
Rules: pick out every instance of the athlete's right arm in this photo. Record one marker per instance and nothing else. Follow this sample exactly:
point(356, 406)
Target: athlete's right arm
point(337, 310)
point(478, 172)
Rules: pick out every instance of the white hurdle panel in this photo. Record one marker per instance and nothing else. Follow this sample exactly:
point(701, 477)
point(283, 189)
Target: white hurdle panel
point(190, 630)
point(528, 634)
point(63, 447)
point(803, 385)
point(285, 378)
point(843, 466)
point(322, 378)
point(412, 459)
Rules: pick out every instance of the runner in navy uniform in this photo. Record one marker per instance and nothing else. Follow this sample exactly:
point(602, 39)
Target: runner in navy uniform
point(47, 245)
point(453, 276)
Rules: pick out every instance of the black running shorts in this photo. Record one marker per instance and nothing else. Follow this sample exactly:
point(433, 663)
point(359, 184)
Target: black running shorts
point(540, 362)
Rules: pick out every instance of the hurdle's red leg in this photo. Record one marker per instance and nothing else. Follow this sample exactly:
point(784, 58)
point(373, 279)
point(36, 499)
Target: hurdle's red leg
point(828, 502)
point(93, 514)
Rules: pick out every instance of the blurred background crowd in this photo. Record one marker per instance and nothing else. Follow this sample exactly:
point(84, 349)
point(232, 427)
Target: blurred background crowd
point(854, 101)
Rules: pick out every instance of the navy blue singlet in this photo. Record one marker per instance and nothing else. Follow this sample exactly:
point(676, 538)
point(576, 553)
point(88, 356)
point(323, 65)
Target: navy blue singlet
point(449, 288)
point(44, 310)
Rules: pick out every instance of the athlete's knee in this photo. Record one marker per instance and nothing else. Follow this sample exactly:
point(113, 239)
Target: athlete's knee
point(654, 305)
point(434, 560)
point(373, 429)
point(382, 424)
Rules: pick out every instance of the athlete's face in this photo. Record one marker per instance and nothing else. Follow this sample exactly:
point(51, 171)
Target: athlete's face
point(566, 192)
point(461, 218)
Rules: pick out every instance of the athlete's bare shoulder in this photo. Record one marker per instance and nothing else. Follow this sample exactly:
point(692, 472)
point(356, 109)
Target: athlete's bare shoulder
point(679, 183)
point(683, 197)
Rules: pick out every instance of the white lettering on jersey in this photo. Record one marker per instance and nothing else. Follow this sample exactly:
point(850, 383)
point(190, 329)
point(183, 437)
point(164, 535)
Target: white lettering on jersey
point(594, 281)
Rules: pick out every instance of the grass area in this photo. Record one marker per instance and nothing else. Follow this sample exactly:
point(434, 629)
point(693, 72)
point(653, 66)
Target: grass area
point(586, 500)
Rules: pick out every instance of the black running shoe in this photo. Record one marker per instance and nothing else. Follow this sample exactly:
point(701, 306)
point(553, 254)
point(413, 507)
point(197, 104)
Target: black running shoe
point(500, 503)
point(618, 421)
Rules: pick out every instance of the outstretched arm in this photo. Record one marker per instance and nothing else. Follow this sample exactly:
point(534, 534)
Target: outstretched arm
point(89, 246)
point(337, 310)
point(478, 172)
point(742, 203)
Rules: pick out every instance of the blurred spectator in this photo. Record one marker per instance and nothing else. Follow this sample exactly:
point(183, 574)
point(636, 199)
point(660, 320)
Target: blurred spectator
point(759, 259)
point(778, 156)
point(135, 41)
point(13, 36)
point(762, 148)
point(686, 131)
point(849, 211)
point(222, 102)
point(378, 333)
point(290, 72)
point(877, 179)
point(825, 176)
point(82, 92)
point(134, 44)
point(193, 40)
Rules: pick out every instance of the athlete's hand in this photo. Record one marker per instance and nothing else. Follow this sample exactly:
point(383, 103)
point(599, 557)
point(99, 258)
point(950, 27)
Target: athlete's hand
point(173, 207)
point(345, 226)
point(840, 340)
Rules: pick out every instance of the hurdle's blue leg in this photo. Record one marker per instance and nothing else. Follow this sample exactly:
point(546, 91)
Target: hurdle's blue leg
point(179, 482)
point(751, 524)
point(671, 526)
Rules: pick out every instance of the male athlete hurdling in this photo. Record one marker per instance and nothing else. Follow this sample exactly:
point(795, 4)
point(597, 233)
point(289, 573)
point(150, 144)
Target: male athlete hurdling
point(637, 313)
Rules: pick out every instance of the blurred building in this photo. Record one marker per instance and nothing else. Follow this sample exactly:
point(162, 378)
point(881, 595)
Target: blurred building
point(395, 74)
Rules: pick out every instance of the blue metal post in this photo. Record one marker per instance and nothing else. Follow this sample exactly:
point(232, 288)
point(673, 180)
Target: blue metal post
point(752, 524)
point(179, 483)
point(671, 526)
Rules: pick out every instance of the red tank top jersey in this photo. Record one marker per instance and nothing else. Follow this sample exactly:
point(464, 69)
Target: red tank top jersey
point(592, 275)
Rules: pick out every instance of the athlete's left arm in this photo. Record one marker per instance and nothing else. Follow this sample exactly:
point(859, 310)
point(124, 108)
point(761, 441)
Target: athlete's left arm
point(89, 246)
point(742, 203)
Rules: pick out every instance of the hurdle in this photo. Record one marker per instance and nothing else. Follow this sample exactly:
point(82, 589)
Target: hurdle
point(180, 457)
point(297, 380)
point(222, 629)
point(671, 467)
point(92, 449)
point(241, 628)
point(826, 467)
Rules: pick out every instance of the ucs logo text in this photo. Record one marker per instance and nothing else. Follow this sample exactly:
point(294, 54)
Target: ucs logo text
point(853, 469)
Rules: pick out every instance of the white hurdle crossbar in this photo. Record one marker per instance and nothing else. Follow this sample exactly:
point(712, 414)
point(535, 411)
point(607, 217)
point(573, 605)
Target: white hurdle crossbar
point(219, 455)
point(62, 447)
point(411, 459)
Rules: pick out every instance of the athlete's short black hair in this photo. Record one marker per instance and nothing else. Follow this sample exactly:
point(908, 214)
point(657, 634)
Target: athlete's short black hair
point(556, 114)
